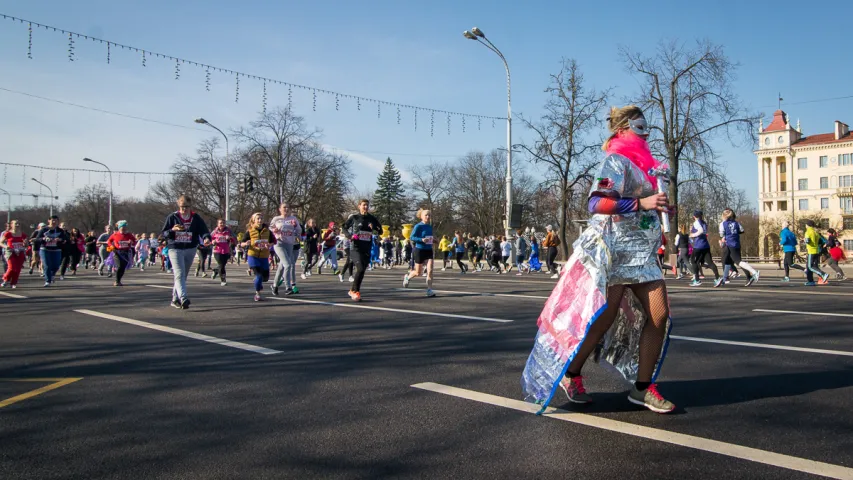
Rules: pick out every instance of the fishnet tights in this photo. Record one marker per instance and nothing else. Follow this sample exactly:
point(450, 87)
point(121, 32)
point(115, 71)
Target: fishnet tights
point(653, 299)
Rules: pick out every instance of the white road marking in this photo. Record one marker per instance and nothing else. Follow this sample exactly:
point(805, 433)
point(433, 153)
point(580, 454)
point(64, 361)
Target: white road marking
point(398, 310)
point(688, 441)
point(183, 333)
point(168, 287)
point(12, 295)
point(816, 314)
point(481, 294)
point(780, 291)
point(763, 345)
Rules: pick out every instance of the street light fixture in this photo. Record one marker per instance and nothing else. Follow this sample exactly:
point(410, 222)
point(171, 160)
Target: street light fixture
point(51, 194)
point(478, 35)
point(9, 211)
point(110, 222)
point(227, 168)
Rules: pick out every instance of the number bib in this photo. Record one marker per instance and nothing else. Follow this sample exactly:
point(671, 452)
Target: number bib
point(183, 237)
point(17, 247)
point(363, 235)
point(427, 240)
point(124, 244)
point(50, 242)
point(262, 244)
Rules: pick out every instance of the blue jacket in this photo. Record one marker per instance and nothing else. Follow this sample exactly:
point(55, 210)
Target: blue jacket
point(788, 240)
point(422, 236)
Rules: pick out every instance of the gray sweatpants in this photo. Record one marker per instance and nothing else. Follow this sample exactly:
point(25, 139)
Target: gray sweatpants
point(286, 270)
point(182, 262)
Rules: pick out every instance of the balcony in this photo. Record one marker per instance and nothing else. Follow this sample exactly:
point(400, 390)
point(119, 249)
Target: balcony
point(775, 195)
point(844, 192)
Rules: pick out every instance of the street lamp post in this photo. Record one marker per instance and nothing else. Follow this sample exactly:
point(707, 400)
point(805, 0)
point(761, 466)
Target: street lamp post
point(227, 168)
point(51, 194)
point(478, 35)
point(9, 211)
point(110, 222)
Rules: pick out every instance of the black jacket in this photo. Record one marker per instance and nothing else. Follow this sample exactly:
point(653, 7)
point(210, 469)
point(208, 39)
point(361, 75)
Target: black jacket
point(194, 234)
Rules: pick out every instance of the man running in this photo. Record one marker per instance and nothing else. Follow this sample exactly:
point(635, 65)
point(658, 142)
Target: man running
point(360, 228)
point(788, 241)
point(813, 250)
point(423, 252)
point(184, 230)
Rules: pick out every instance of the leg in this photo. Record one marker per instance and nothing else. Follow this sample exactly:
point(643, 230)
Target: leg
point(653, 298)
point(429, 268)
point(809, 271)
point(597, 330)
point(709, 263)
point(360, 262)
point(280, 273)
point(123, 261)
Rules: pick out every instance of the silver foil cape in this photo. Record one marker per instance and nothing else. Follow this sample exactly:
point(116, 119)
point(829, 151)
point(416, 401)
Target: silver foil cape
point(613, 250)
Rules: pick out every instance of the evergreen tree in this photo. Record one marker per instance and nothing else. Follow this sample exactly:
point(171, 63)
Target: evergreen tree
point(388, 203)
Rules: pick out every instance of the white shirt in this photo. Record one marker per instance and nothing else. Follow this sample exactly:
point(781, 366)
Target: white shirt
point(506, 247)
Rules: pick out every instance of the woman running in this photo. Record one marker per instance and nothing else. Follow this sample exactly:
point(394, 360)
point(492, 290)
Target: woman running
point(506, 253)
point(730, 232)
point(312, 239)
point(832, 242)
point(330, 249)
point(143, 246)
point(423, 253)
point(534, 265)
point(259, 239)
point(91, 251)
point(203, 257)
point(701, 249)
point(222, 240)
point(122, 244)
point(52, 240)
point(521, 252)
point(682, 245)
point(615, 254)
point(153, 243)
point(287, 230)
point(345, 246)
point(183, 231)
point(73, 253)
point(459, 250)
point(496, 253)
point(446, 252)
point(15, 248)
point(360, 228)
point(102, 251)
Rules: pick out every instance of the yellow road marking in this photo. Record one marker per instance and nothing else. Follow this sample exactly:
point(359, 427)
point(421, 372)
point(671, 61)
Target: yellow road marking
point(57, 382)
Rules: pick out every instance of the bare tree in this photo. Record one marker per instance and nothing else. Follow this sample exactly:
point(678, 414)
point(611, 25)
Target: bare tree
point(88, 208)
point(563, 138)
point(430, 186)
point(688, 97)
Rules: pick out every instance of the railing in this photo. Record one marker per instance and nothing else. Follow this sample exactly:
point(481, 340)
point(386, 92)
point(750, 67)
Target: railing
point(844, 191)
point(774, 195)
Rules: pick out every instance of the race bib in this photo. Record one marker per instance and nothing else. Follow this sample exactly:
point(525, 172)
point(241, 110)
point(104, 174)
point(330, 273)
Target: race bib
point(17, 247)
point(183, 237)
point(50, 242)
point(124, 244)
point(262, 244)
point(363, 236)
point(428, 240)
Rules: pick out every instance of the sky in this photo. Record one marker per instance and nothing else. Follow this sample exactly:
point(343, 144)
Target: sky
point(406, 52)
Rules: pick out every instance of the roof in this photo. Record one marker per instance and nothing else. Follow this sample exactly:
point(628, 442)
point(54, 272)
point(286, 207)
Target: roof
point(778, 122)
point(822, 138)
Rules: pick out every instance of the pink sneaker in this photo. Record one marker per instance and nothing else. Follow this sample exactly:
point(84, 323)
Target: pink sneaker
point(574, 390)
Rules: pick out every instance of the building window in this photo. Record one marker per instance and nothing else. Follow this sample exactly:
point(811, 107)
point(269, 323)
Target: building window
point(845, 159)
point(845, 181)
point(824, 161)
point(824, 182)
point(848, 244)
point(846, 204)
point(783, 206)
point(802, 163)
point(783, 186)
point(781, 167)
point(823, 223)
point(804, 204)
point(848, 224)
point(803, 184)
point(824, 203)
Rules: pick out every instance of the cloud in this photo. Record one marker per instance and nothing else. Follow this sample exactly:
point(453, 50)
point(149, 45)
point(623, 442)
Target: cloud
point(366, 164)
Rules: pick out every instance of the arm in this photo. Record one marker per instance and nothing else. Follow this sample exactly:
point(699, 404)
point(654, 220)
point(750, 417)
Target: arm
point(604, 205)
point(203, 231)
point(168, 233)
point(347, 228)
point(415, 236)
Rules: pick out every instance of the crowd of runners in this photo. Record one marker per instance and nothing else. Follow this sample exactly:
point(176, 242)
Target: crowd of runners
point(284, 245)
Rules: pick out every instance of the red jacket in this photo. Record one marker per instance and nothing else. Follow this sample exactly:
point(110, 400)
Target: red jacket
point(121, 241)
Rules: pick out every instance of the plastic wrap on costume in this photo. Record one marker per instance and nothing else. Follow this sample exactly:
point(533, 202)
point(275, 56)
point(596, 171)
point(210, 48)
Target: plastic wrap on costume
point(615, 249)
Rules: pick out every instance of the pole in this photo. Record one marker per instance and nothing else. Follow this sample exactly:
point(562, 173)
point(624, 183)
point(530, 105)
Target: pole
point(227, 170)
point(9, 211)
point(51, 194)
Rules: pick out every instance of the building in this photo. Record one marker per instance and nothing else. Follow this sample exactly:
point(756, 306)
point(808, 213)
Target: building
point(802, 177)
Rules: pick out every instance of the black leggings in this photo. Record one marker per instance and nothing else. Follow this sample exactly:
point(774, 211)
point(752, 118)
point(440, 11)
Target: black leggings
point(311, 256)
point(789, 263)
point(702, 255)
point(71, 259)
point(462, 266)
point(552, 257)
point(122, 259)
point(221, 260)
point(360, 260)
point(203, 255)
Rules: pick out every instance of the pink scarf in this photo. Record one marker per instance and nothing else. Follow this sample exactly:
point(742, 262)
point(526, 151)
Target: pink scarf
point(635, 148)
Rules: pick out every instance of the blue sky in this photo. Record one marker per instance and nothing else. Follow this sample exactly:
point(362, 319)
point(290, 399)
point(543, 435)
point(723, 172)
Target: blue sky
point(396, 51)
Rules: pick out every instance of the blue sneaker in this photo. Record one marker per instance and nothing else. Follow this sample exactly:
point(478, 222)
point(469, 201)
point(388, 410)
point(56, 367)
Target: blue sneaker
point(695, 283)
point(810, 284)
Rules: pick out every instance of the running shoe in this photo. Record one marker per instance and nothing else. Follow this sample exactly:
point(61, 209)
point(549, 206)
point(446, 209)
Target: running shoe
point(341, 277)
point(196, 273)
point(303, 276)
point(2, 284)
point(443, 269)
point(679, 277)
point(651, 399)
point(46, 284)
point(110, 275)
point(117, 284)
point(288, 291)
point(810, 284)
point(62, 277)
point(31, 272)
point(175, 303)
point(308, 273)
point(355, 296)
point(556, 275)
point(753, 278)
point(294, 289)
point(141, 269)
point(695, 283)
point(185, 303)
point(786, 279)
point(351, 279)
point(719, 282)
point(825, 278)
point(215, 274)
point(274, 289)
point(574, 389)
point(257, 297)
point(223, 283)
point(14, 286)
point(430, 293)
point(204, 275)
point(406, 281)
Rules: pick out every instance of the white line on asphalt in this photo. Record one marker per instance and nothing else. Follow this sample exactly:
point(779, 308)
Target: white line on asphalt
point(481, 294)
point(816, 314)
point(780, 291)
point(398, 310)
point(184, 333)
point(665, 436)
point(763, 345)
point(12, 295)
point(168, 287)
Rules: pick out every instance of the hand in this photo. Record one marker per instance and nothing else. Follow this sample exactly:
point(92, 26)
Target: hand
point(177, 228)
point(658, 202)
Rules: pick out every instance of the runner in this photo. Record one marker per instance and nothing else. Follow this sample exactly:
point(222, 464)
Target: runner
point(534, 265)
point(222, 239)
point(550, 244)
point(832, 242)
point(240, 252)
point(813, 250)
point(458, 245)
point(836, 256)
point(143, 246)
point(35, 262)
point(521, 253)
point(506, 253)
point(122, 244)
point(287, 230)
point(682, 244)
point(259, 238)
point(730, 232)
point(312, 238)
point(183, 231)
point(52, 239)
point(789, 243)
point(72, 252)
point(446, 252)
point(102, 251)
point(496, 253)
point(15, 249)
point(615, 254)
point(423, 252)
point(387, 253)
point(359, 228)
point(204, 252)
point(91, 250)
point(701, 248)
point(152, 249)
point(330, 249)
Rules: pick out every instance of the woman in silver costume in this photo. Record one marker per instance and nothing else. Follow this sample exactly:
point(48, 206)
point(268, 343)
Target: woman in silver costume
point(611, 296)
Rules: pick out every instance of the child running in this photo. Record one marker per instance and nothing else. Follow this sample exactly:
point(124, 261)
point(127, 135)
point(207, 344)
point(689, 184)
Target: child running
point(143, 246)
point(121, 244)
point(259, 238)
point(15, 248)
point(422, 253)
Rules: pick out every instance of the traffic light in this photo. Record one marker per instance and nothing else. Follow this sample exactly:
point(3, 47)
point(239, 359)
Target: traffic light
point(247, 185)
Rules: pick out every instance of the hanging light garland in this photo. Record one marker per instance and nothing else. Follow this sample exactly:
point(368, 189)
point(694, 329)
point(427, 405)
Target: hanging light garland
point(209, 69)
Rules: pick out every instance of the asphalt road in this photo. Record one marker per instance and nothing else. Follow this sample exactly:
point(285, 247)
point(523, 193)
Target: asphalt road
point(319, 389)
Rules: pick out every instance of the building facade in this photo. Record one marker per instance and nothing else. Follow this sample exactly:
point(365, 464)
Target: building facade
point(803, 177)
